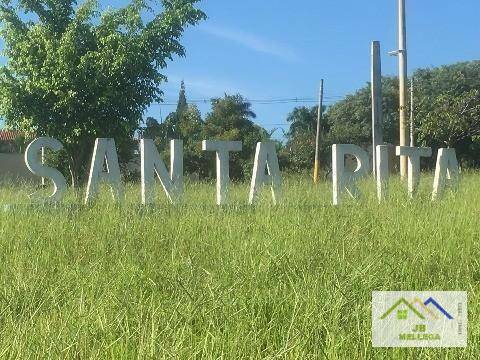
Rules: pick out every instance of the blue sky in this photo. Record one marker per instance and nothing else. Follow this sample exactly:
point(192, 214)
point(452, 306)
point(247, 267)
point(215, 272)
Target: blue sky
point(281, 49)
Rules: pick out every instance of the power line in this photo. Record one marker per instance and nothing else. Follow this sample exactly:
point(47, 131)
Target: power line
point(297, 98)
point(300, 100)
point(258, 103)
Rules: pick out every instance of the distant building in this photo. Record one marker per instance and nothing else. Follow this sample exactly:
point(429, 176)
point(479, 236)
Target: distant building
point(9, 141)
point(9, 135)
point(12, 164)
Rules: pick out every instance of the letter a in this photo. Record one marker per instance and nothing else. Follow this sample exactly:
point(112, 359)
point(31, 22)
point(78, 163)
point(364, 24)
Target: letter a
point(447, 169)
point(265, 156)
point(104, 154)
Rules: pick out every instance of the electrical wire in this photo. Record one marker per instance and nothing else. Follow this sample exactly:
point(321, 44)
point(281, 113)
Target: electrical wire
point(271, 101)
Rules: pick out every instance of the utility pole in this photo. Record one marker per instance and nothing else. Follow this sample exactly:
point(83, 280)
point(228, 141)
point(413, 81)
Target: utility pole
point(317, 140)
point(402, 75)
point(377, 115)
point(412, 116)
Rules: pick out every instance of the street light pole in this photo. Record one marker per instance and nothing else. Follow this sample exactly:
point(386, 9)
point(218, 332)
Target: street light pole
point(412, 116)
point(402, 77)
point(377, 115)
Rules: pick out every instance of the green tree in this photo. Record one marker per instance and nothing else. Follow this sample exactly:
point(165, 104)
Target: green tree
point(182, 100)
point(152, 128)
point(75, 74)
point(350, 120)
point(345, 122)
point(459, 117)
point(185, 124)
point(302, 120)
point(299, 150)
point(190, 129)
point(170, 127)
point(231, 119)
point(298, 154)
point(447, 109)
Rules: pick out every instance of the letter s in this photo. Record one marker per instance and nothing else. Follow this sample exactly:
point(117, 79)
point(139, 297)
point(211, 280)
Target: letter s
point(37, 168)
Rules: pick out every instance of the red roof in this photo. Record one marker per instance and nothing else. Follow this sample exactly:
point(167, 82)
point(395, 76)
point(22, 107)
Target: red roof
point(9, 135)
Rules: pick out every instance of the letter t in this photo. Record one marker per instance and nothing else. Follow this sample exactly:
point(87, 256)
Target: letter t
point(222, 149)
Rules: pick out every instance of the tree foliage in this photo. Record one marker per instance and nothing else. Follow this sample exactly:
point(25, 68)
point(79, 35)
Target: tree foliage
point(299, 151)
point(182, 100)
point(75, 74)
point(350, 120)
point(446, 109)
point(230, 119)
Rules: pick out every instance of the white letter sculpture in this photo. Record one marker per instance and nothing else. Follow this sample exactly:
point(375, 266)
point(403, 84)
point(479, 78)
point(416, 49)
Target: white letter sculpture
point(382, 171)
point(222, 149)
point(265, 156)
point(447, 169)
point(104, 153)
point(152, 164)
point(37, 168)
point(343, 178)
point(413, 154)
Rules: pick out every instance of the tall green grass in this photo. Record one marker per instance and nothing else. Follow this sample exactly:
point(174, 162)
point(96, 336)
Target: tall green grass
point(197, 281)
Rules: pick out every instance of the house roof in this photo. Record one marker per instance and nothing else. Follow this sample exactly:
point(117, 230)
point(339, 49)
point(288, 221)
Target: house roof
point(9, 135)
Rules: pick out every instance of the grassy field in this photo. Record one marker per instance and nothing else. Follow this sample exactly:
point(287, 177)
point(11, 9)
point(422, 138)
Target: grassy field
point(197, 281)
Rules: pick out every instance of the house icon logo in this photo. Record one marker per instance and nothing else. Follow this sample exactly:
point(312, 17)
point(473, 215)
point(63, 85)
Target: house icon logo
point(422, 310)
point(419, 318)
